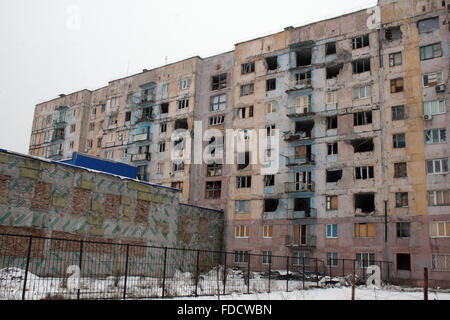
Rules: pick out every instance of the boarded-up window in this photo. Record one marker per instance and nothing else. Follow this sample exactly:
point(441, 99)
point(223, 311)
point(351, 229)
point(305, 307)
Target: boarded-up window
point(364, 230)
point(300, 234)
point(242, 231)
point(440, 229)
point(268, 231)
point(332, 202)
point(428, 25)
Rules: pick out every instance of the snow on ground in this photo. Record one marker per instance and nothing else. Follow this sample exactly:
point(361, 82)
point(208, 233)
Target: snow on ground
point(182, 284)
point(343, 293)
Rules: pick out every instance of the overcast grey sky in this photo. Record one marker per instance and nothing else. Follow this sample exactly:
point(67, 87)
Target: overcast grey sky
point(50, 47)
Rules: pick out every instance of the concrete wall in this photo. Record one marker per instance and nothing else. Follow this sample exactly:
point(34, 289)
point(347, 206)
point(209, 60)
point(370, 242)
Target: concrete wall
point(55, 200)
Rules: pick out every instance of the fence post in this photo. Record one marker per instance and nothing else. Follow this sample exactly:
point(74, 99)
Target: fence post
point(196, 272)
point(343, 268)
point(225, 274)
point(248, 274)
point(353, 285)
point(425, 284)
point(79, 266)
point(164, 273)
point(270, 272)
point(287, 274)
point(317, 274)
point(303, 272)
point(27, 267)
point(126, 273)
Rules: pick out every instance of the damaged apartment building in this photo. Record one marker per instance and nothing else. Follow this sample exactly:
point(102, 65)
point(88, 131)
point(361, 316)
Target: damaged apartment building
point(363, 152)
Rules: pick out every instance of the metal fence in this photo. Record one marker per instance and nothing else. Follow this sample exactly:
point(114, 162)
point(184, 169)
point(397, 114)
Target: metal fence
point(33, 268)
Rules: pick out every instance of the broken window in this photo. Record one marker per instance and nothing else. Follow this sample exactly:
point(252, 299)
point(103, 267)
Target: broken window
point(432, 79)
point(242, 206)
point(214, 170)
point(243, 182)
point(401, 199)
point(246, 112)
point(334, 175)
point(142, 173)
point(272, 63)
point(400, 170)
point(303, 78)
point(332, 148)
point(213, 189)
point(304, 57)
point(362, 145)
point(399, 140)
point(404, 261)
point(247, 89)
point(181, 124)
point(396, 85)
point(361, 65)
point(431, 51)
point(218, 103)
point(243, 160)
point(360, 42)
point(302, 204)
point(178, 166)
point(364, 173)
point(271, 84)
point(365, 202)
point(304, 128)
point(270, 205)
point(403, 230)
point(435, 136)
point(219, 82)
point(164, 108)
point(362, 118)
point(398, 113)
point(332, 122)
point(393, 34)
point(428, 25)
point(333, 71)
point(269, 180)
point(247, 67)
point(395, 59)
point(330, 48)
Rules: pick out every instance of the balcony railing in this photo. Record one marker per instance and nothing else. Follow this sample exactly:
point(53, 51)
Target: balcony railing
point(145, 98)
point(298, 161)
point(141, 157)
point(298, 136)
point(293, 214)
point(299, 187)
point(296, 111)
point(145, 118)
point(141, 137)
point(301, 241)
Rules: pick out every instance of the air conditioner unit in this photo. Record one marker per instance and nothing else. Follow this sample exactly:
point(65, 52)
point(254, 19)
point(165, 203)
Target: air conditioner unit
point(427, 117)
point(440, 88)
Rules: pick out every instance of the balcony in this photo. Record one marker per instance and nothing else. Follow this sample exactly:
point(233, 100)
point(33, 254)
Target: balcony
point(141, 137)
point(145, 118)
point(59, 123)
point(307, 241)
point(146, 156)
point(294, 214)
point(294, 161)
point(147, 98)
point(299, 112)
point(298, 136)
point(291, 187)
